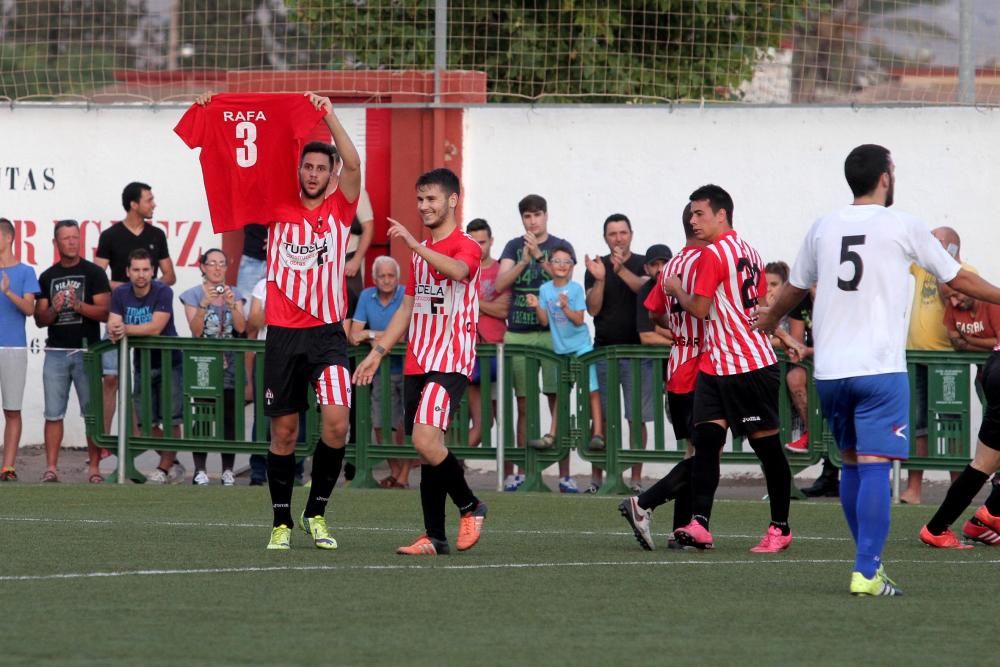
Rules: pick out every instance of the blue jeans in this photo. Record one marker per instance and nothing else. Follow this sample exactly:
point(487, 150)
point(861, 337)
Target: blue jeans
point(61, 369)
point(251, 272)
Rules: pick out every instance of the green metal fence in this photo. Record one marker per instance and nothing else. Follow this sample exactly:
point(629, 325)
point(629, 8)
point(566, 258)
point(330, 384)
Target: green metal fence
point(203, 412)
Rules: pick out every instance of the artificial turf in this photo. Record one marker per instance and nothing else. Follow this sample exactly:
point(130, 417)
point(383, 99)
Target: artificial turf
point(179, 575)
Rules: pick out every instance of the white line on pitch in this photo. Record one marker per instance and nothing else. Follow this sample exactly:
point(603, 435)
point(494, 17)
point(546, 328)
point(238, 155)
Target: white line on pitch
point(377, 529)
point(481, 566)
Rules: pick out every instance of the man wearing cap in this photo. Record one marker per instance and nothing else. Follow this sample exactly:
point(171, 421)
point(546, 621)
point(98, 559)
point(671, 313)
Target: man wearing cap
point(650, 333)
point(612, 283)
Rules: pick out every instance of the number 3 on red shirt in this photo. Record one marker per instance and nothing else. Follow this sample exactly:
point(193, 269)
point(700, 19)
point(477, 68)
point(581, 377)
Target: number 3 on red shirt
point(246, 155)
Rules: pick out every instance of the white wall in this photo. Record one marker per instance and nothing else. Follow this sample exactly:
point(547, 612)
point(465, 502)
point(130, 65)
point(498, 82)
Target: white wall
point(90, 155)
point(783, 167)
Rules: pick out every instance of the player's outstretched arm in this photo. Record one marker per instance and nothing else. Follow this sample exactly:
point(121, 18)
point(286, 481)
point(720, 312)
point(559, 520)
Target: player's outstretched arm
point(350, 173)
point(788, 297)
point(397, 327)
point(973, 285)
point(450, 267)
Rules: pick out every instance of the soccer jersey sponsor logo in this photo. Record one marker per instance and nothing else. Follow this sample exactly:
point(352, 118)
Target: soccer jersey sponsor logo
point(431, 299)
point(303, 256)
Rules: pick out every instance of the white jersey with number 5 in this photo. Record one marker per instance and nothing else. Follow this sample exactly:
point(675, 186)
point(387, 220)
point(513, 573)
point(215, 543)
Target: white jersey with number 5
point(859, 259)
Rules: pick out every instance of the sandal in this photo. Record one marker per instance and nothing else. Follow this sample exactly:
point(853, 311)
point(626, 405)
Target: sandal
point(8, 475)
point(388, 483)
point(96, 478)
point(50, 476)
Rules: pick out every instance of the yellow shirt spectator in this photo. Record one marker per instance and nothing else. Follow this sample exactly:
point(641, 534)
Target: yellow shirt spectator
point(927, 330)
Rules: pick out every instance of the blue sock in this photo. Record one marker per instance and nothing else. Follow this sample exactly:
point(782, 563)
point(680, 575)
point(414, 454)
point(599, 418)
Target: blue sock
point(849, 496)
point(873, 516)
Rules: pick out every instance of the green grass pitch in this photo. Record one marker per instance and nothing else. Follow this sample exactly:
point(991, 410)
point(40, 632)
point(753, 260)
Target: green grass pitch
point(179, 575)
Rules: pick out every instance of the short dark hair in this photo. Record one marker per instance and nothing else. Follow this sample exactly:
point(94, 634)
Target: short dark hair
point(64, 223)
point(326, 149)
point(717, 199)
point(133, 193)
point(864, 166)
point(139, 253)
point(562, 248)
point(533, 204)
point(616, 217)
point(686, 222)
point(479, 225)
point(779, 269)
point(444, 178)
point(7, 227)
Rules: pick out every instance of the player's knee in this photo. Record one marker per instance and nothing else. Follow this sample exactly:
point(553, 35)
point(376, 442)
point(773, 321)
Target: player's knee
point(708, 436)
point(335, 433)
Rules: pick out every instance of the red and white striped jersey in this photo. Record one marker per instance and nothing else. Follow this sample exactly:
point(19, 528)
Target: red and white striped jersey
point(305, 264)
point(442, 335)
point(688, 330)
point(731, 274)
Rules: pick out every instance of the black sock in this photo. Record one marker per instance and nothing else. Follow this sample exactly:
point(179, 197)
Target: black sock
point(200, 460)
point(432, 498)
point(778, 476)
point(708, 440)
point(228, 461)
point(674, 485)
point(327, 462)
point(452, 476)
point(959, 496)
point(682, 506)
point(280, 477)
point(993, 502)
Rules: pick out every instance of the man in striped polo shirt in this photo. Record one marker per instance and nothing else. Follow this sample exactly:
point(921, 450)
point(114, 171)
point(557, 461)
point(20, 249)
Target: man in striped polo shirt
point(737, 385)
point(441, 309)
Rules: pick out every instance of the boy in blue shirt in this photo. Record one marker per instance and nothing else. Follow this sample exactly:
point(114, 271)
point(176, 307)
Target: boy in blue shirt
point(561, 305)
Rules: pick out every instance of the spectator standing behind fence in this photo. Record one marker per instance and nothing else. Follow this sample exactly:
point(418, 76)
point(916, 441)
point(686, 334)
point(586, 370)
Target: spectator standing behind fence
point(494, 306)
point(73, 300)
point(561, 305)
point(360, 238)
point(927, 332)
point(376, 306)
point(215, 310)
point(612, 282)
point(524, 266)
point(144, 307)
point(18, 287)
point(113, 248)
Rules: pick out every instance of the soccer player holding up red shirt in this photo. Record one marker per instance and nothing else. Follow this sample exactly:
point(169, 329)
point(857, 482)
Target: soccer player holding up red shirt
point(682, 371)
point(440, 308)
point(737, 385)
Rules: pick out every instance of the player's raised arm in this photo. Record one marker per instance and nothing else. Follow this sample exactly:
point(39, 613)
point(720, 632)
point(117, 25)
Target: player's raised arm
point(350, 173)
point(788, 297)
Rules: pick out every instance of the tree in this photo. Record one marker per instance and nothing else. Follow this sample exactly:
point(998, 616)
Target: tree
point(571, 50)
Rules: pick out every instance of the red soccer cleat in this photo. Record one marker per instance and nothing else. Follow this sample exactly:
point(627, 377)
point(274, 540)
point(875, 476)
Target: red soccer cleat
point(946, 540)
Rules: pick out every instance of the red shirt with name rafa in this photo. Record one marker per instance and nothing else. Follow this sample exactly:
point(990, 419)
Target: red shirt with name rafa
point(442, 335)
point(249, 152)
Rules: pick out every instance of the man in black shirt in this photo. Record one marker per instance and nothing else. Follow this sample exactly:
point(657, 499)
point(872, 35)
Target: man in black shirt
point(611, 283)
point(113, 249)
point(73, 301)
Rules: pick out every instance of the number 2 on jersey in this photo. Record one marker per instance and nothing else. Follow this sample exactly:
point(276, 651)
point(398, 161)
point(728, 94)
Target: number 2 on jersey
point(748, 288)
point(848, 255)
point(246, 155)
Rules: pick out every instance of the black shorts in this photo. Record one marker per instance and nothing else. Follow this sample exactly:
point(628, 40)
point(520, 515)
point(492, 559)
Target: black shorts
point(430, 399)
point(681, 407)
point(748, 402)
point(297, 358)
point(989, 431)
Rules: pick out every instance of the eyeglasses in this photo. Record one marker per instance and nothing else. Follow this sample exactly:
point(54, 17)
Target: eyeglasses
point(561, 262)
point(215, 265)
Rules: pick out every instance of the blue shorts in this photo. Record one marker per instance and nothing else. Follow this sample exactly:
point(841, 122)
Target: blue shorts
point(869, 413)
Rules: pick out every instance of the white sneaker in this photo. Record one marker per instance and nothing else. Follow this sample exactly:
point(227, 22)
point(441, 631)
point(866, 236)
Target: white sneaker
point(177, 473)
point(227, 478)
point(512, 482)
point(157, 477)
point(638, 518)
point(200, 478)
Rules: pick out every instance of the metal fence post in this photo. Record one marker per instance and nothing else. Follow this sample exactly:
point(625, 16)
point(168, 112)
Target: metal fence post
point(966, 53)
point(123, 393)
point(440, 45)
point(500, 421)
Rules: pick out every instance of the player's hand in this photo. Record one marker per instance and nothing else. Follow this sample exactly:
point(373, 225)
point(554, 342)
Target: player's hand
point(352, 267)
point(765, 320)
point(366, 370)
point(595, 266)
point(672, 286)
point(398, 231)
point(563, 300)
point(204, 99)
point(320, 103)
point(795, 353)
point(531, 300)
